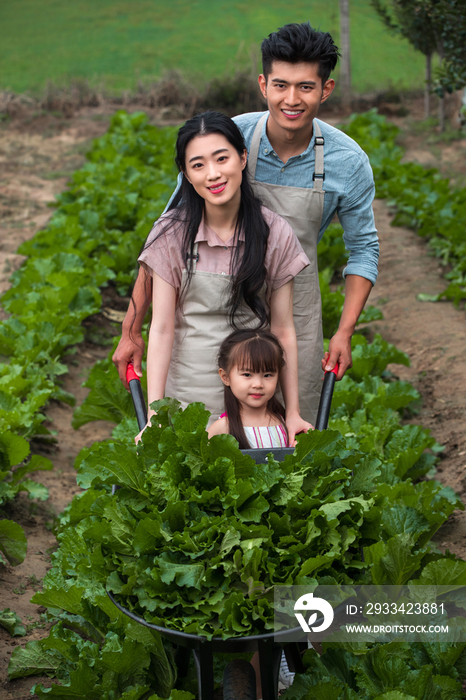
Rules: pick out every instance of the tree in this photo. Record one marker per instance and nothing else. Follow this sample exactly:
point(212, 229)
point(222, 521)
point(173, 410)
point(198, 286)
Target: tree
point(345, 65)
point(413, 20)
point(432, 26)
point(449, 20)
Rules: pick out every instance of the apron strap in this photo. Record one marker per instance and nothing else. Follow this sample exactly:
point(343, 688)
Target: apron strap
point(319, 173)
point(254, 147)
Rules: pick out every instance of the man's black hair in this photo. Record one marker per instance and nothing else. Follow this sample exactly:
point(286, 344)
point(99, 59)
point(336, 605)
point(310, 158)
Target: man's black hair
point(300, 43)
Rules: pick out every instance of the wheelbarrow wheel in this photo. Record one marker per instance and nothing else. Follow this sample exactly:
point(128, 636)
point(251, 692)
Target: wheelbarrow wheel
point(239, 681)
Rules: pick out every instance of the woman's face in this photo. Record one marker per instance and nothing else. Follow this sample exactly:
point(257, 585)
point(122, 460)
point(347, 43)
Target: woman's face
point(215, 169)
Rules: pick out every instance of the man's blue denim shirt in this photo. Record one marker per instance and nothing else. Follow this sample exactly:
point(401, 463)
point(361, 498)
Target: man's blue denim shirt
point(348, 185)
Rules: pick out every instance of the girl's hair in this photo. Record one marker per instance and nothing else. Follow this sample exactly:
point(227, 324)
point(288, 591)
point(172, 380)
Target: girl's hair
point(187, 207)
point(257, 351)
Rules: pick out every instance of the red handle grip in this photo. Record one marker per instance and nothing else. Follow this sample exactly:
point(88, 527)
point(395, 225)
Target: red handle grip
point(334, 370)
point(130, 373)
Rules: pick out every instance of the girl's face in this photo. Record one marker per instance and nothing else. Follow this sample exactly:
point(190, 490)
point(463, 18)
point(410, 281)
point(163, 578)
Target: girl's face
point(215, 169)
point(252, 389)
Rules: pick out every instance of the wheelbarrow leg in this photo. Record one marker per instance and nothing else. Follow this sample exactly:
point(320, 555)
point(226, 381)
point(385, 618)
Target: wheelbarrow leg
point(205, 670)
point(294, 659)
point(182, 656)
point(269, 663)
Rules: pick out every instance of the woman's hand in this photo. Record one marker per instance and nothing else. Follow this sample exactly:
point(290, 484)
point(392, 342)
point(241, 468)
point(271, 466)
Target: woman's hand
point(295, 424)
point(150, 415)
point(139, 435)
point(161, 336)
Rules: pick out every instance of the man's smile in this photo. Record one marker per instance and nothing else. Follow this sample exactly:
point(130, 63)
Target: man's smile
point(292, 112)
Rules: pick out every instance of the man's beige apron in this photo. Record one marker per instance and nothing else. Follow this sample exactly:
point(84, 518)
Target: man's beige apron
point(200, 327)
point(302, 208)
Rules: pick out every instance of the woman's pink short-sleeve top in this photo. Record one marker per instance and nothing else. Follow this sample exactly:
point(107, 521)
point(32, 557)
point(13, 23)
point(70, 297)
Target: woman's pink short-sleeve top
point(162, 253)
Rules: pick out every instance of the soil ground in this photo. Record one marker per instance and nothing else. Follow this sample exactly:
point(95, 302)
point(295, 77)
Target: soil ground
point(36, 156)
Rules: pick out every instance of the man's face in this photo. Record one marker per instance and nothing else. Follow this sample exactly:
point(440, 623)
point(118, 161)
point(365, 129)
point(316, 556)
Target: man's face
point(294, 93)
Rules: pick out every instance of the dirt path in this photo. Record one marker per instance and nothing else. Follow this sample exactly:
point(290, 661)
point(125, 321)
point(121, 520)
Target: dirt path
point(34, 168)
point(19, 583)
point(34, 163)
point(36, 160)
point(434, 337)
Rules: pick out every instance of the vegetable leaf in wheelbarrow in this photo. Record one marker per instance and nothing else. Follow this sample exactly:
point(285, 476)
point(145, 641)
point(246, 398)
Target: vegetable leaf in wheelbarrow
point(198, 533)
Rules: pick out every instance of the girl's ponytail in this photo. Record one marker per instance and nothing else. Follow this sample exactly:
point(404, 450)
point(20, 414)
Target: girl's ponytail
point(233, 411)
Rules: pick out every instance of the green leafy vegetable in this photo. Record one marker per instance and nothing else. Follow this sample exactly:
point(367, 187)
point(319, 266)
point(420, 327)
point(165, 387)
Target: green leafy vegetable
point(198, 533)
point(13, 544)
point(10, 621)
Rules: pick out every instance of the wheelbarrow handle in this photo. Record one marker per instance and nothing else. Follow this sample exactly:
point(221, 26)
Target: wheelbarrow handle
point(326, 399)
point(323, 413)
point(134, 384)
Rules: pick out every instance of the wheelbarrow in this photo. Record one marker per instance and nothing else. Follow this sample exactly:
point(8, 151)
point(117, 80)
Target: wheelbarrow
point(239, 680)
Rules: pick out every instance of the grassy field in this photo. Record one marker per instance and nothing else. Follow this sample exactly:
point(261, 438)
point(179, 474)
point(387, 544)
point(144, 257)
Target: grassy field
point(118, 42)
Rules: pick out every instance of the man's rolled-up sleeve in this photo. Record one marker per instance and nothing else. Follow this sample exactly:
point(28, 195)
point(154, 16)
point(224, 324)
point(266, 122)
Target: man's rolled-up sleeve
point(179, 180)
point(357, 218)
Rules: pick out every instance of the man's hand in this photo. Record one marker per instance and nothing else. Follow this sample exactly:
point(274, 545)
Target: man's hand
point(295, 424)
point(339, 350)
point(357, 290)
point(129, 350)
point(131, 346)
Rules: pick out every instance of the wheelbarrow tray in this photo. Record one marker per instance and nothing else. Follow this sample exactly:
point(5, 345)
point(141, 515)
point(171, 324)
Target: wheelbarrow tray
point(269, 646)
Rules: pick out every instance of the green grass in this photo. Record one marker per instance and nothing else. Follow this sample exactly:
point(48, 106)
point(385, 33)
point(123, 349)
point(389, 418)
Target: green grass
point(117, 42)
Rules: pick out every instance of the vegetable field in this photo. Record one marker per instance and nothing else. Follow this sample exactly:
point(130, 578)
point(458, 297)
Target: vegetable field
point(192, 522)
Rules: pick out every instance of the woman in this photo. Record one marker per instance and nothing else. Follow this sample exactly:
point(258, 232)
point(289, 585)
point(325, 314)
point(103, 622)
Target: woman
point(219, 260)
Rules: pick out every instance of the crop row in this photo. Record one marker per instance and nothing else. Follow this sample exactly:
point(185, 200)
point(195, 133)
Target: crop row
point(348, 507)
point(91, 240)
point(424, 201)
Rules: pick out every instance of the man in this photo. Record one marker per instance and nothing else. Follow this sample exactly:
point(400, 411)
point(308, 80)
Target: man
point(306, 171)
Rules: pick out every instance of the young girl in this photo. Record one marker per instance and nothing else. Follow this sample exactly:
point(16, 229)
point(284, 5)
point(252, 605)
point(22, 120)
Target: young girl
point(218, 260)
point(250, 363)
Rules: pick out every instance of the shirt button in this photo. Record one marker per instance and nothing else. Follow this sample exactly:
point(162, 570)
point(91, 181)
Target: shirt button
point(225, 247)
point(223, 273)
point(283, 170)
point(266, 150)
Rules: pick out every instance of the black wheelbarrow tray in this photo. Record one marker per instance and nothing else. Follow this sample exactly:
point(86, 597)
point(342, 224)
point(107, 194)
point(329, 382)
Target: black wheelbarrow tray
point(239, 682)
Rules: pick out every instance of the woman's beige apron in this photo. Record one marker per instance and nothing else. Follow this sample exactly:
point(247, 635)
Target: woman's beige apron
point(200, 327)
point(302, 208)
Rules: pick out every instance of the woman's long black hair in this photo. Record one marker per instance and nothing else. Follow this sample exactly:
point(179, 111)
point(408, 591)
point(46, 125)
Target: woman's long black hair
point(258, 351)
point(187, 207)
